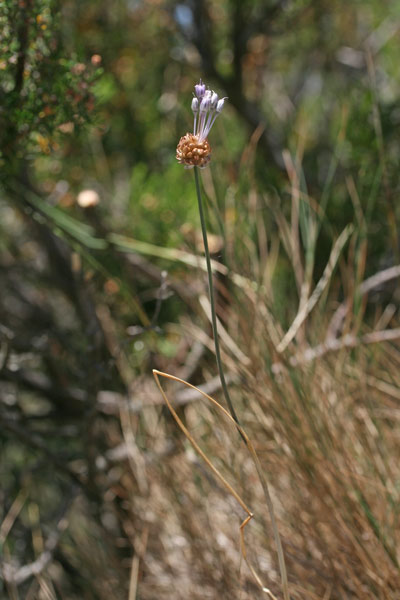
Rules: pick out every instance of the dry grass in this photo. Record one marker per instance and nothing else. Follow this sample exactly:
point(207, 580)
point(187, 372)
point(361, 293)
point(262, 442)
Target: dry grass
point(320, 408)
point(325, 433)
point(319, 405)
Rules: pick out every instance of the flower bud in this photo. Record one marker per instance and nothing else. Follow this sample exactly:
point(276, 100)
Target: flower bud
point(214, 100)
point(200, 89)
point(195, 105)
point(206, 102)
point(220, 104)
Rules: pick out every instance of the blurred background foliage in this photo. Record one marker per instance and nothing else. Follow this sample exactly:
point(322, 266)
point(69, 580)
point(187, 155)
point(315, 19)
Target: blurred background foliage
point(99, 236)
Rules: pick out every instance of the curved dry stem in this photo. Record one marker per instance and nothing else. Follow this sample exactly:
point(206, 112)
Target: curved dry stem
point(227, 485)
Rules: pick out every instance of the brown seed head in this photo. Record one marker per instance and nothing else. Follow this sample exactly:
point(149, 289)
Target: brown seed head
point(192, 152)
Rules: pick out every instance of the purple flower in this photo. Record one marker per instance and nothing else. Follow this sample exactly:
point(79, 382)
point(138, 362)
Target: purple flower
point(200, 89)
point(208, 107)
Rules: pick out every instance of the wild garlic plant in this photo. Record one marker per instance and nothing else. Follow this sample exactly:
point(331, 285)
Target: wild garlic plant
point(194, 150)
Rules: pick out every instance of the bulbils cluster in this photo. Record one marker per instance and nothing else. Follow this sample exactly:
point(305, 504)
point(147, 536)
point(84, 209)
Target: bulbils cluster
point(192, 152)
point(193, 149)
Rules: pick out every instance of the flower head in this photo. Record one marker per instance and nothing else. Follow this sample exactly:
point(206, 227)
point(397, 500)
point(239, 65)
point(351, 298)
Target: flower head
point(193, 149)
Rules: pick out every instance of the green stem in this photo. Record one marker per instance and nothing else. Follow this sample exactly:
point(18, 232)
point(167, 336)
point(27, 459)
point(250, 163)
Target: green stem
point(260, 472)
point(212, 300)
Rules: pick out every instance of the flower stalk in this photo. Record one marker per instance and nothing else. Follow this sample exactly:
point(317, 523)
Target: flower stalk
point(212, 300)
point(194, 151)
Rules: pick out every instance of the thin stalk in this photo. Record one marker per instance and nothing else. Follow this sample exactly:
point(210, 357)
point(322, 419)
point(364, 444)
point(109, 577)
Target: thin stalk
point(260, 472)
point(212, 300)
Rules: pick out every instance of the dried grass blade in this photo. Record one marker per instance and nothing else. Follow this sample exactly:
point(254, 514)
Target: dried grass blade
point(322, 283)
